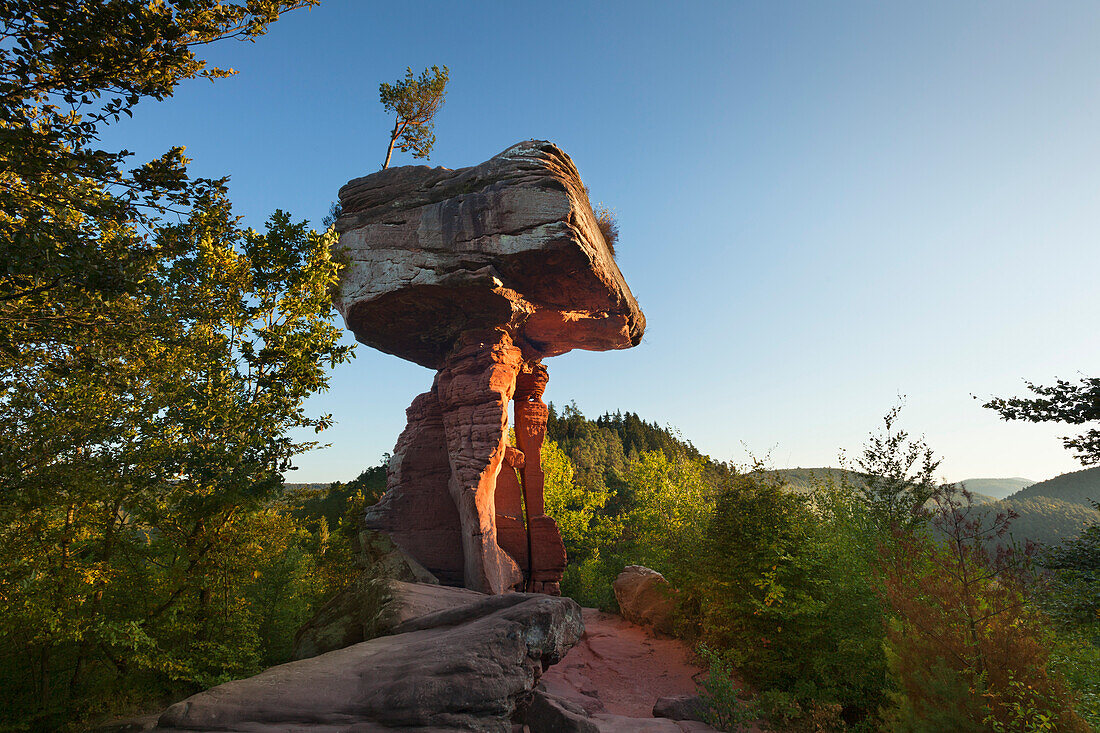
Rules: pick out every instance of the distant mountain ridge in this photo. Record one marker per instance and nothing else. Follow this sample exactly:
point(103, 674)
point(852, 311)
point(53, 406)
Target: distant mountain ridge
point(803, 480)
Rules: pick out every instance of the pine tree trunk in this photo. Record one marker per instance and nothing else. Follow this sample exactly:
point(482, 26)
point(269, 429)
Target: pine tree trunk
point(393, 139)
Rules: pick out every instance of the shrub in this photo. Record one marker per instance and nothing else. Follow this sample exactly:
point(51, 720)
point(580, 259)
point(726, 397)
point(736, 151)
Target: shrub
point(605, 219)
point(780, 708)
point(784, 583)
point(965, 644)
point(725, 710)
point(1071, 598)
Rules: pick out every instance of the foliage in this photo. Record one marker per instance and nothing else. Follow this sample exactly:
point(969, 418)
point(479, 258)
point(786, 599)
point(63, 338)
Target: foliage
point(330, 502)
point(139, 479)
point(1075, 658)
point(1070, 596)
point(154, 361)
point(963, 643)
point(641, 504)
point(809, 480)
point(605, 220)
point(334, 212)
point(585, 528)
point(74, 227)
point(783, 581)
point(415, 101)
point(725, 710)
point(671, 505)
point(1073, 590)
point(578, 512)
point(1073, 403)
point(792, 584)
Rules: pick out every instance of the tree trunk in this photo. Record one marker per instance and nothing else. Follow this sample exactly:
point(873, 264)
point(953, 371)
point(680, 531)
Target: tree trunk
point(393, 139)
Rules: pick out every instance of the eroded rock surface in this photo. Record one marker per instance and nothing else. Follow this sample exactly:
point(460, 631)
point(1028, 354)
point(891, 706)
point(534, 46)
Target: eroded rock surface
point(479, 273)
point(373, 607)
point(458, 668)
point(615, 679)
point(511, 243)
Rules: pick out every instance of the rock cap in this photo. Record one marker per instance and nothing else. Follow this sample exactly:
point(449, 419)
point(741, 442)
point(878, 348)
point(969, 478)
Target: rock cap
point(509, 244)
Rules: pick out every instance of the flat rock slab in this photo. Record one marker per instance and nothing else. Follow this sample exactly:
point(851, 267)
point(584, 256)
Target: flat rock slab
point(462, 668)
point(346, 619)
point(511, 243)
point(617, 672)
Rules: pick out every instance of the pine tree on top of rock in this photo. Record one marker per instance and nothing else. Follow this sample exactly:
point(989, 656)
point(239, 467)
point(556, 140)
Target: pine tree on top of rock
point(414, 100)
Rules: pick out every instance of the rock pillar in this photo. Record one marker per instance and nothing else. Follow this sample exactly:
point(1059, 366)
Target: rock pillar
point(474, 388)
point(417, 510)
point(462, 501)
point(547, 553)
point(511, 519)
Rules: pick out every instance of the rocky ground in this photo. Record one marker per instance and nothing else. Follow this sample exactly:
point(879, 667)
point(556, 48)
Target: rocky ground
point(456, 660)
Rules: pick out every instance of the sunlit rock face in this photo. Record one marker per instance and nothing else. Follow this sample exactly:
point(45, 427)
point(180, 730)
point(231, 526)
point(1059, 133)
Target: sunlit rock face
point(479, 273)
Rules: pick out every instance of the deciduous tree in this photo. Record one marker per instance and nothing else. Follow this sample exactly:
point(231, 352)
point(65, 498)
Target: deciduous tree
point(152, 373)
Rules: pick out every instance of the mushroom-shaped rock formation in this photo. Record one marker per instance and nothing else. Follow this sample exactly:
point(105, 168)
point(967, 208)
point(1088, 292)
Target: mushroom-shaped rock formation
point(479, 273)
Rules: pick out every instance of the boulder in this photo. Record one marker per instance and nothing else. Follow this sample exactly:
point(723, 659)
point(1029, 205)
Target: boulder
point(465, 668)
point(550, 714)
point(680, 707)
point(645, 598)
point(479, 273)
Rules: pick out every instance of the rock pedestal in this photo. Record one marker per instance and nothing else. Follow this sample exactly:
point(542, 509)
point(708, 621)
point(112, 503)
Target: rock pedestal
point(479, 273)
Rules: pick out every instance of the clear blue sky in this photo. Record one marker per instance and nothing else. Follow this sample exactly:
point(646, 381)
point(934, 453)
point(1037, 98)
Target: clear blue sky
point(822, 205)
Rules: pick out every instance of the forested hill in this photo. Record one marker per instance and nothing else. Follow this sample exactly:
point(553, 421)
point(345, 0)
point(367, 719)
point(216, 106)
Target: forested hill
point(600, 449)
point(1078, 487)
point(601, 452)
point(805, 480)
point(632, 434)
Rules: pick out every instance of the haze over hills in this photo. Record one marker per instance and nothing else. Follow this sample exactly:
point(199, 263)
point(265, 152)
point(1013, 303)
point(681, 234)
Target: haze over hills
point(802, 480)
point(996, 488)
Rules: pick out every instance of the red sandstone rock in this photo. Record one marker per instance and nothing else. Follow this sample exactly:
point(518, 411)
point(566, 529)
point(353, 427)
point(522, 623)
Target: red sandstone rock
point(417, 486)
point(479, 273)
point(474, 389)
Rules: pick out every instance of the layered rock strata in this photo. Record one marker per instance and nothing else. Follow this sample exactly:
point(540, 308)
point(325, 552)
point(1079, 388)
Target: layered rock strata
point(479, 273)
point(469, 664)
